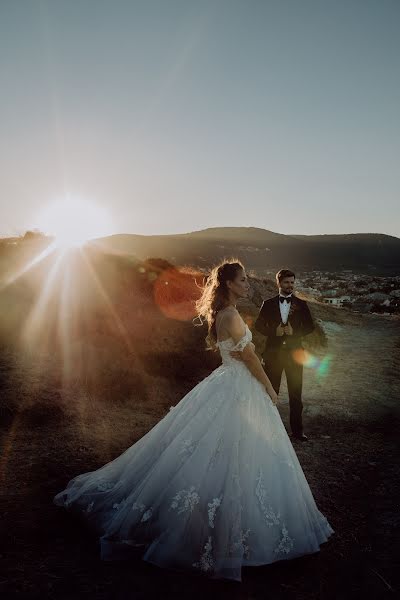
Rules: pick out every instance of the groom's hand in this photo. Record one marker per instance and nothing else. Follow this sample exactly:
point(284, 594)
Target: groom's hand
point(280, 330)
point(288, 329)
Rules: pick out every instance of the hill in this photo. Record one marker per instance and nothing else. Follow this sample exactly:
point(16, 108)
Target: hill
point(264, 250)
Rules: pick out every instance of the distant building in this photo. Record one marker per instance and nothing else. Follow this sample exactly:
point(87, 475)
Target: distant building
point(329, 293)
point(331, 301)
point(339, 302)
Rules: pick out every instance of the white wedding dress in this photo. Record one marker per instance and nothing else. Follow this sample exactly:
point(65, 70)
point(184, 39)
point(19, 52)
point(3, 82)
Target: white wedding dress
point(213, 487)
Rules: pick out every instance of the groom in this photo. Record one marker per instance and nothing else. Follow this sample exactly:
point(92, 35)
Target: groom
point(285, 319)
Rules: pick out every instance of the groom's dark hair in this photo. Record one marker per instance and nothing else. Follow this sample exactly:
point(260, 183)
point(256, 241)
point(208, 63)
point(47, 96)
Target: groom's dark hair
point(282, 274)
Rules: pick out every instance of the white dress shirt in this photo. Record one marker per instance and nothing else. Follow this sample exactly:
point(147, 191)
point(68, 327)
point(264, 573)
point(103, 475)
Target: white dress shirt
point(284, 307)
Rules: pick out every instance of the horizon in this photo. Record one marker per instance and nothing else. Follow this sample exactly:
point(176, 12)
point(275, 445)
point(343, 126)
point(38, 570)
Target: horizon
point(167, 117)
point(353, 233)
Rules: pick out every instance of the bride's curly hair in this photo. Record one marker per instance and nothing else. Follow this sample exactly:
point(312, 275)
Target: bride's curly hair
point(215, 296)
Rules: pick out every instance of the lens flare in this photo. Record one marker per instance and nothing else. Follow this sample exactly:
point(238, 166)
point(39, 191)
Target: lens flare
point(176, 291)
point(310, 361)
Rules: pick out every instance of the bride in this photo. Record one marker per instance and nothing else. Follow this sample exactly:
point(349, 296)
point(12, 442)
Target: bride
point(215, 485)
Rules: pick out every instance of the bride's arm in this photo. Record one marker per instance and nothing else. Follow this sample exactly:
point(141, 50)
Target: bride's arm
point(237, 330)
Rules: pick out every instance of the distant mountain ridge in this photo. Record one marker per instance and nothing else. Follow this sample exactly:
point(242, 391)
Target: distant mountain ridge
point(263, 250)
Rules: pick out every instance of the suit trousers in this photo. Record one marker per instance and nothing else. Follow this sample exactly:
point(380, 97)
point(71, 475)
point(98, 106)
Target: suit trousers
point(276, 361)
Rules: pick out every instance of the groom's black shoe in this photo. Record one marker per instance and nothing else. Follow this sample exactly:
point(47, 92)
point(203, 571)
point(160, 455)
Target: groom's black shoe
point(300, 436)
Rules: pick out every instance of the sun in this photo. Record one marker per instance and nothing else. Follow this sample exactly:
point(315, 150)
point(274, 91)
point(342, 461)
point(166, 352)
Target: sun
point(73, 221)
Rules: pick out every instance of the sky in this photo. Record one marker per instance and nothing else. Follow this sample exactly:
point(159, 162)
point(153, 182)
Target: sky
point(172, 116)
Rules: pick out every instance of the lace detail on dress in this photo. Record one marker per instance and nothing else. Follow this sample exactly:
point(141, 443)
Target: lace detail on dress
point(212, 509)
point(104, 486)
point(276, 437)
point(218, 449)
point(270, 516)
point(147, 515)
point(228, 345)
point(215, 405)
point(235, 470)
point(206, 562)
point(241, 544)
point(241, 344)
point(118, 505)
point(286, 543)
point(212, 411)
point(185, 500)
point(187, 447)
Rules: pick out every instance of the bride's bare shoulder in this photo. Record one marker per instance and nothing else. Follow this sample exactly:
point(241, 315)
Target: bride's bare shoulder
point(228, 308)
point(228, 311)
point(229, 321)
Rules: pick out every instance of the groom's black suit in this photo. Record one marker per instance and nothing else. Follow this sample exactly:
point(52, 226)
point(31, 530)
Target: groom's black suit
point(280, 351)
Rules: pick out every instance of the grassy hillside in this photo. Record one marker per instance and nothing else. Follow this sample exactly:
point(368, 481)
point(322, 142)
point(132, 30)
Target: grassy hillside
point(262, 250)
point(94, 352)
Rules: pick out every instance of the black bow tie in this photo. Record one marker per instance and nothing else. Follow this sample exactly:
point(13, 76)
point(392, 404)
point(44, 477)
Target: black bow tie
point(283, 298)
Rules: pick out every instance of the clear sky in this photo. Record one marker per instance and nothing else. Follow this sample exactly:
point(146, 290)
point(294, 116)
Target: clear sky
point(179, 115)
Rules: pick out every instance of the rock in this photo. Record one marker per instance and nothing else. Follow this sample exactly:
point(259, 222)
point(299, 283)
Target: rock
point(330, 327)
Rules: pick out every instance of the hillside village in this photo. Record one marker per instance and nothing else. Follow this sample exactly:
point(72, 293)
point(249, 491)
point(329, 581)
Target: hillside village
point(346, 289)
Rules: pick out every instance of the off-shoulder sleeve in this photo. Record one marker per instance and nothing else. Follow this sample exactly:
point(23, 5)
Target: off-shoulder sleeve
point(241, 344)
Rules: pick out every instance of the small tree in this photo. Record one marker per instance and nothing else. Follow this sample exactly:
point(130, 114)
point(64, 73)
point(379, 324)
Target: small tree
point(33, 234)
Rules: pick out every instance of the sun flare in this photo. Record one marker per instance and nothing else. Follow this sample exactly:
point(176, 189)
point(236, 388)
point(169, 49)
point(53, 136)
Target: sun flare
point(73, 221)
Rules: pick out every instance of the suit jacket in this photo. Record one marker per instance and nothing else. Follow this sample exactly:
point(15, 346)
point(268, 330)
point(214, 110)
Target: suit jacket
point(270, 316)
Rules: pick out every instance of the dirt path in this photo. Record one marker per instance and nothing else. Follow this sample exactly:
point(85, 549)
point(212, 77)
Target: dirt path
point(351, 463)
